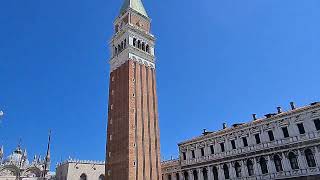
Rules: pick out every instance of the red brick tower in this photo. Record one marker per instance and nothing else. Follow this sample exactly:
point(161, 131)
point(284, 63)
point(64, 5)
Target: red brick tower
point(133, 144)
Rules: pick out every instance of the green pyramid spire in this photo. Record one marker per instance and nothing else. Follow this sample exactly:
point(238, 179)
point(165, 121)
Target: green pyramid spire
point(135, 5)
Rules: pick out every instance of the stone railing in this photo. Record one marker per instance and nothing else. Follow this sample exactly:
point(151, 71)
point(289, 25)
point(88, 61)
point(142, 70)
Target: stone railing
point(254, 148)
point(284, 174)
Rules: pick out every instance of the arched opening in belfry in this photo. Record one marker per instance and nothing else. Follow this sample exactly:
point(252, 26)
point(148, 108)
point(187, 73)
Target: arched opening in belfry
point(134, 42)
point(147, 48)
point(143, 47)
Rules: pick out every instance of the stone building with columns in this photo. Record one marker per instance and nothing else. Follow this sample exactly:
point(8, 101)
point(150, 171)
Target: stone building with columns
point(282, 145)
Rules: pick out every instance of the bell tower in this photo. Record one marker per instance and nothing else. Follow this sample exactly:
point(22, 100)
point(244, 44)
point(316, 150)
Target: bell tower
point(133, 144)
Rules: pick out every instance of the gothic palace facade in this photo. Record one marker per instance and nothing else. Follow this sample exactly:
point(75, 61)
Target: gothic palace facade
point(283, 145)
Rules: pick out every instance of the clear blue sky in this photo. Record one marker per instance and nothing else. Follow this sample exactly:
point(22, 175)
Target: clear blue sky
point(218, 61)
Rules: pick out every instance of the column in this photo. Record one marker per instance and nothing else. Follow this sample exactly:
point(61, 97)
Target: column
point(301, 160)
point(220, 172)
point(181, 176)
point(232, 171)
point(256, 167)
point(190, 172)
point(317, 155)
point(200, 174)
point(285, 163)
point(271, 165)
point(210, 173)
point(244, 170)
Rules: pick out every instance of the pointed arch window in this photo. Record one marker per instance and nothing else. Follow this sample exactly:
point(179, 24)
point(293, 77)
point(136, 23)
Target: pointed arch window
point(293, 161)
point(250, 168)
point(226, 171)
point(83, 176)
point(101, 177)
point(169, 177)
point(310, 158)
point(237, 167)
point(278, 163)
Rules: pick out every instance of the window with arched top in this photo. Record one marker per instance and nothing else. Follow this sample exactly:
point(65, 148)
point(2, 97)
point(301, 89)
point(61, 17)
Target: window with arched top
point(310, 158)
point(125, 43)
point(277, 163)
point(237, 167)
point(169, 177)
point(293, 161)
point(139, 44)
point(195, 174)
point(250, 168)
point(185, 175)
point(226, 171)
point(143, 46)
point(101, 177)
point(177, 176)
point(119, 48)
point(147, 48)
point(205, 174)
point(215, 173)
point(83, 176)
point(263, 165)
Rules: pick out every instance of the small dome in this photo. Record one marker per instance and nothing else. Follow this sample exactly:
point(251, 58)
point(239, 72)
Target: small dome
point(18, 157)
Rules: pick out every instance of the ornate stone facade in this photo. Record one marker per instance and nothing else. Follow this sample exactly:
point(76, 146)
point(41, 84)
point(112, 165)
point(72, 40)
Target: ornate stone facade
point(284, 145)
point(17, 166)
point(83, 170)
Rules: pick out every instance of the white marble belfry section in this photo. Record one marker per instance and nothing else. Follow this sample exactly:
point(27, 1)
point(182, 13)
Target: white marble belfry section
point(124, 46)
point(282, 145)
